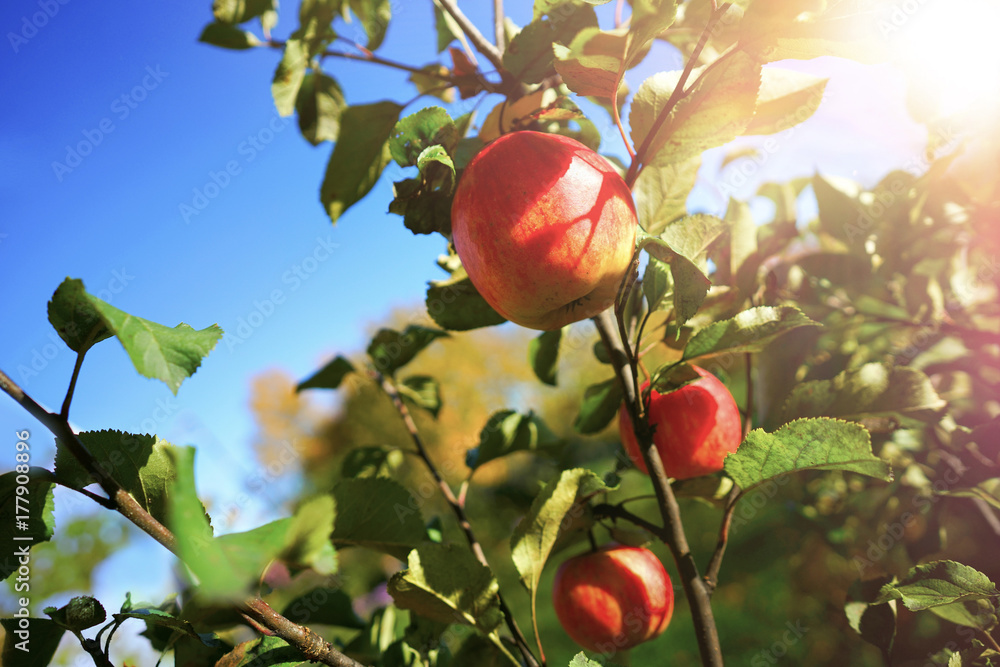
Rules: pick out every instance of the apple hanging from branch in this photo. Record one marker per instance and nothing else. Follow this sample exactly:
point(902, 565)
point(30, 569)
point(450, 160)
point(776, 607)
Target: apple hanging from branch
point(545, 228)
point(614, 598)
point(695, 427)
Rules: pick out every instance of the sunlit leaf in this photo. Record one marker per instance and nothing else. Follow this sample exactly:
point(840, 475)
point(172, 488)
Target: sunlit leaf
point(509, 431)
point(289, 76)
point(942, 582)
point(805, 444)
point(749, 331)
point(543, 353)
point(786, 98)
point(228, 37)
point(446, 583)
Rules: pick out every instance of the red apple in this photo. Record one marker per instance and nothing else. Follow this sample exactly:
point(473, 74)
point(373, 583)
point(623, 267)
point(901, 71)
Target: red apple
point(545, 228)
point(695, 428)
point(614, 598)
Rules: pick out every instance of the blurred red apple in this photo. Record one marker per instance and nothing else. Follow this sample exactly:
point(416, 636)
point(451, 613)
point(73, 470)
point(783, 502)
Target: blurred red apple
point(545, 228)
point(614, 598)
point(695, 428)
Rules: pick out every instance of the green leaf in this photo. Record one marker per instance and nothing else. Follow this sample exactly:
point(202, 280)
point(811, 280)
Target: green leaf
point(693, 235)
point(876, 624)
point(323, 606)
point(557, 8)
point(661, 193)
point(378, 514)
point(445, 582)
point(359, 156)
point(581, 660)
point(805, 444)
point(319, 104)
point(289, 76)
point(446, 27)
point(590, 64)
point(240, 11)
point(364, 461)
point(534, 537)
point(374, 16)
point(38, 641)
point(224, 567)
point(786, 98)
point(980, 614)
point(600, 405)
point(228, 37)
point(160, 618)
point(717, 110)
point(773, 30)
point(156, 351)
point(529, 56)
point(672, 377)
point(455, 304)
point(942, 582)
point(78, 323)
point(81, 613)
point(543, 353)
point(431, 126)
point(141, 464)
point(841, 214)
point(689, 283)
point(390, 350)
point(871, 389)
point(657, 283)
point(509, 431)
point(426, 210)
point(307, 542)
point(424, 391)
point(263, 652)
point(328, 377)
point(749, 331)
point(27, 516)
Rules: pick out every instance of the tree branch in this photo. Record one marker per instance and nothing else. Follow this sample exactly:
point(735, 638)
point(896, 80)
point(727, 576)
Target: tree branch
point(491, 52)
point(457, 507)
point(672, 533)
point(715, 563)
point(304, 639)
point(498, 31)
point(675, 97)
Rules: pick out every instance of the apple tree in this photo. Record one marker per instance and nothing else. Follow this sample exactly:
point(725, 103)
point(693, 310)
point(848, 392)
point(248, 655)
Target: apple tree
point(834, 375)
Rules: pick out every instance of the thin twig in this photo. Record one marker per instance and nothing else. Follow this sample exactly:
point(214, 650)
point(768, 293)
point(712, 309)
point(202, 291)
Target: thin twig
point(675, 97)
point(990, 640)
point(64, 412)
point(313, 646)
point(715, 563)
point(672, 532)
point(482, 44)
point(457, 507)
point(499, 33)
point(304, 639)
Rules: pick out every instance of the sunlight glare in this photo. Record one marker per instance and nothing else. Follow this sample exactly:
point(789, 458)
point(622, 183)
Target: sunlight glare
point(948, 49)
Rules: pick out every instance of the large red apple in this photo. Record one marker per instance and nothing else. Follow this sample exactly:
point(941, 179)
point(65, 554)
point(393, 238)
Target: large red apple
point(545, 228)
point(614, 598)
point(695, 427)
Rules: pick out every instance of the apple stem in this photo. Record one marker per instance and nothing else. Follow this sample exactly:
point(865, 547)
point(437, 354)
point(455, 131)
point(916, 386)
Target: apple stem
point(457, 507)
point(672, 533)
point(593, 542)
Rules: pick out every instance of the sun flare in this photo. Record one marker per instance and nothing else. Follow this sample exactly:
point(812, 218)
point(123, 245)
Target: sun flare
point(948, 50)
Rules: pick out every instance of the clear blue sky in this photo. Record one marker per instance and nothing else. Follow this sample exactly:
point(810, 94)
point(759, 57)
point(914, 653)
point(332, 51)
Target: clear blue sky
point(160, 113)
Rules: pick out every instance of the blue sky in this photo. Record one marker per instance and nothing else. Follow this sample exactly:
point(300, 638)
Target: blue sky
point(157, 114)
